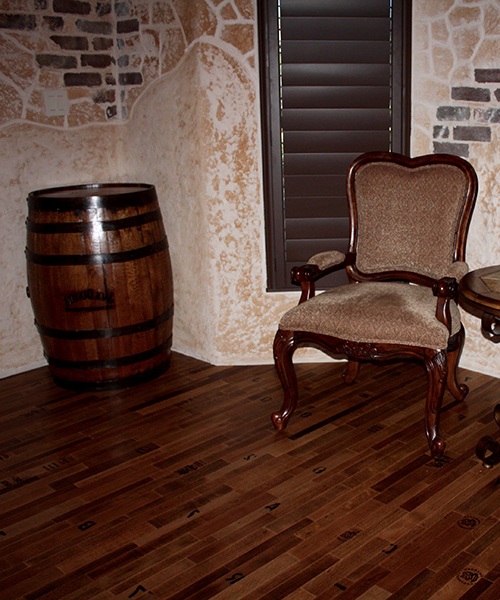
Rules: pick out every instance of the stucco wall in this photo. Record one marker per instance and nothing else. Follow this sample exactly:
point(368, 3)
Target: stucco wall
point(192, 129)
point(452, 41)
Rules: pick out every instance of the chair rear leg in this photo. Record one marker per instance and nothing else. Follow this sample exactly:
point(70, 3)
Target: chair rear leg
point(283, 349)
point(458, 390)
point(436, 367)
point(351, 371)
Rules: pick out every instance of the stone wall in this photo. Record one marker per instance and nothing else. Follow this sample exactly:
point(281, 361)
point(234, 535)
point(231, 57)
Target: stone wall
point(461, 124)
point(186, 118)
point(190, 128)
point(456, 109)
point(102, 55)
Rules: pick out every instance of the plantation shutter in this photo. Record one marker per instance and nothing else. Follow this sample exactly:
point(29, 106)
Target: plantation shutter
point(333, 88)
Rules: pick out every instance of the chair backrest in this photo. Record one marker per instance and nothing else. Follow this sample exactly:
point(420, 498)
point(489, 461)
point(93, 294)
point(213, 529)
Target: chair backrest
point(409, 214)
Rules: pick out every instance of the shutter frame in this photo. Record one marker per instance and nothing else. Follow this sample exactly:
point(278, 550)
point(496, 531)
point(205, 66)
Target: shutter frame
point(331, 113)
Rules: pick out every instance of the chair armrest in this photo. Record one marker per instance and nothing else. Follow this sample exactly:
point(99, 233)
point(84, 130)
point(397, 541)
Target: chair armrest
point(446, 290)
point(325, 260)
point(318, 266)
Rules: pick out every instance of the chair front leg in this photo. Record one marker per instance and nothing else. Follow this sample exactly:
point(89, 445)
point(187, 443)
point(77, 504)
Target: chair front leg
point(436, 367)
point(283, 349)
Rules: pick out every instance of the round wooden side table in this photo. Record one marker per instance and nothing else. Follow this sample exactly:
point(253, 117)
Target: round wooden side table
point(480, 295)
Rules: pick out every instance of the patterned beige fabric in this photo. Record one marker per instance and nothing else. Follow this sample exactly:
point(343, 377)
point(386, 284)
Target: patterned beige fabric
point(393, 313)
point(396, 206)
point(457, 270)
point(327, 259)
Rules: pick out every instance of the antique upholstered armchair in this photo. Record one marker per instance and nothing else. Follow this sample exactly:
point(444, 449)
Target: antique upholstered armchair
point(409, 220)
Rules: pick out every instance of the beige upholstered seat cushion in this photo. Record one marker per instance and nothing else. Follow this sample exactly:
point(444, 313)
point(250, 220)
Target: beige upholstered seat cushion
point(375, 312)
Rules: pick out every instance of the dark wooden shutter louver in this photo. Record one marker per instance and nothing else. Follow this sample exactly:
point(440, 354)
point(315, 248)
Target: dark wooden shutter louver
point(335, 79)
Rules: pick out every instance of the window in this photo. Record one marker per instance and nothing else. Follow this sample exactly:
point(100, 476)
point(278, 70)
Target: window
point(334, 84)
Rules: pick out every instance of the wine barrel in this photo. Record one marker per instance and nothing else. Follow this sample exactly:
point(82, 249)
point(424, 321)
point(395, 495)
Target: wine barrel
point(100, 283)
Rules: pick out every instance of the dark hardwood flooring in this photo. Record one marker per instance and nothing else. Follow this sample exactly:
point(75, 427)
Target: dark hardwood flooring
point(180, 488)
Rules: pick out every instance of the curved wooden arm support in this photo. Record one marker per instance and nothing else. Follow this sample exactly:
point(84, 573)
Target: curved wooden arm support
point(307, 275)
point(446, 290)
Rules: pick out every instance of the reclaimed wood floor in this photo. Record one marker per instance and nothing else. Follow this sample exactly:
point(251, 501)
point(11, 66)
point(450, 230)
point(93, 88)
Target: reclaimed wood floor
point(181, 489)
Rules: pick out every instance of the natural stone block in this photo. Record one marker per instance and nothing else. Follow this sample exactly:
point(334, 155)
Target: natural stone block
point(11, 102)
point(442, 62)
point(172, 50)
point(122, 9)
point(487, 52)
point(463, 16)
point(103, 8)
point(465, 42)
point(56, 61)
point(453, 113)
point(72, 7)
point(102, 96)
point(162, 13)
point(245, 8)
point(431, 8)
point(130, 78)
point(111, 112)
point(53, 23)
point(440, 131)
point(491, 20)
point(82, 113)
point(449, 148)
point(197, 19)
point(98, 61)
point(487, 115)
point(470, 94)
point(240, 36)
point(228, 13)
point(440, 31)
point(128, 26)
point(472, 134)
point(487, 75)
point(98, 27)
point(82, 79)
point(70, 42)
point(17, 22)
point(99, 43)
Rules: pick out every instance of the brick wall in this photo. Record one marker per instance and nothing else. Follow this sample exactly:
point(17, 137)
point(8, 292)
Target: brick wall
point(100, 52)
point(470, 116)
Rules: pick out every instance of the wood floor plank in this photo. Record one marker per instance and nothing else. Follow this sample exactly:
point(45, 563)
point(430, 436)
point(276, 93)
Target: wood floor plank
point(181, 489)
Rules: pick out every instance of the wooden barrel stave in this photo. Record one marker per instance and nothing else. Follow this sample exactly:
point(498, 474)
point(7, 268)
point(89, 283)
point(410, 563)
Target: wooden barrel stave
point(100, 283)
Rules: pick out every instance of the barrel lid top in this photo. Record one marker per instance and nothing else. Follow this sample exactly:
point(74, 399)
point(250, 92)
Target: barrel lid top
point(92, 190)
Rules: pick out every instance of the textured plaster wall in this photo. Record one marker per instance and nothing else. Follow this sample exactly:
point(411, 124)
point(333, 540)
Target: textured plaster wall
point(203, 157)
point(192, 129)
point(33, 157)
point(451, 40)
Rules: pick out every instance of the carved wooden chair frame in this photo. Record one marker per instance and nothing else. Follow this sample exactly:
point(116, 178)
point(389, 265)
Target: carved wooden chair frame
point(440, 363)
